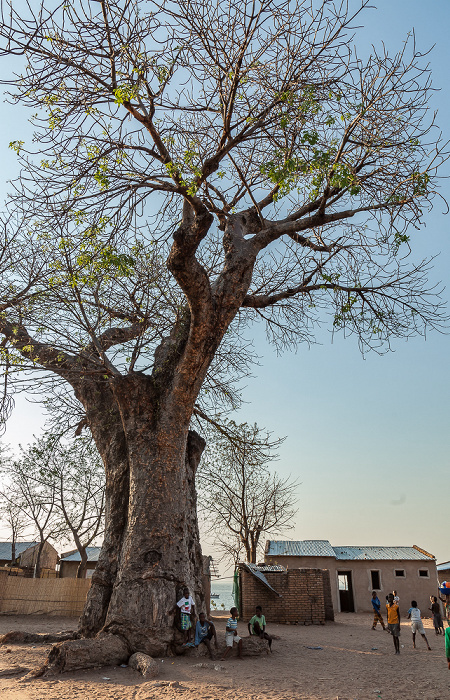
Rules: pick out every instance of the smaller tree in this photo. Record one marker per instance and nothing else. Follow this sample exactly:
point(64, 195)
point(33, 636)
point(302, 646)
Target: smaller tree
point(12, 517)
point(240, 500)
point(60, 488)
point(27, 498)
point(76, 473)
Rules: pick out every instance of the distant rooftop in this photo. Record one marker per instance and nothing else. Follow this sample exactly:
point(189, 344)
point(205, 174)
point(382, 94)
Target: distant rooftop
point(323, 548)
point(444, 566)
point(302, 548)
point(6, 549)
point(74, 555)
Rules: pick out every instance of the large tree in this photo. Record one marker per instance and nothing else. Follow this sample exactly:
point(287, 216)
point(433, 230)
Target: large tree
point(194, 167)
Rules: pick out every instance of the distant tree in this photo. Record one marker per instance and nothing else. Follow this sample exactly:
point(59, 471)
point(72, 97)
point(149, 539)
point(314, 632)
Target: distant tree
point(67, 479)
point(241, 500)
point(74, 473)
point(194, 167)
point(14, 520)
point(30, 499)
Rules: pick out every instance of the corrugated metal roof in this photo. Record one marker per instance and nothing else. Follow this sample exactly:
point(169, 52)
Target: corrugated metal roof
point(6, 549)
point(260, 576)
point(444, 566)
point(302, 548)
point(271, 568)
point(322, 548)
point(74, 555)
point(378, 553)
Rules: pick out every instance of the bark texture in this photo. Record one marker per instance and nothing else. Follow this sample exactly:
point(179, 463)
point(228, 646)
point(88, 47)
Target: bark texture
point(151, 547)
point(106, 426)
point(36, 637)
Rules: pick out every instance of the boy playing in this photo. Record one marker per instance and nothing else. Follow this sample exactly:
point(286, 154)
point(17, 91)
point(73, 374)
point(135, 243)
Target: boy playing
point(257, 626)
point(204, 632)
point(186, 606)
point(416, 623)
point(376, 605)
point(393, 621)
point(231, 635)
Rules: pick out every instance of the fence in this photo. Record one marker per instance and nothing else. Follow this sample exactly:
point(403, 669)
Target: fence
point(34, 596)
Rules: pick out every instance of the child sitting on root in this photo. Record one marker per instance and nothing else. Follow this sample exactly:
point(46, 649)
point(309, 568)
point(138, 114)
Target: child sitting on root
point(231, 635)
point(257, 626)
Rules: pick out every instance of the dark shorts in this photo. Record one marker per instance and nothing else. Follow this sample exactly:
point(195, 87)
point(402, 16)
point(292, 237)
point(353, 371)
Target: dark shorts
point(437, 620)
point(208, 638)
point(394, 629)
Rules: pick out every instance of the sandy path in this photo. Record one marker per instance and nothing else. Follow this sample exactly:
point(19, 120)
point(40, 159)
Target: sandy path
point(347, 667)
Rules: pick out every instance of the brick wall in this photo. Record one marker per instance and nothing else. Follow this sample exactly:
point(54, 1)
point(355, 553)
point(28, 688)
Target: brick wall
point(302, 598)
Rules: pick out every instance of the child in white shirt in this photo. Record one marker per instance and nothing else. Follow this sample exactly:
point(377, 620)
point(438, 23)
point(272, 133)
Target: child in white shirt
point(416, 623)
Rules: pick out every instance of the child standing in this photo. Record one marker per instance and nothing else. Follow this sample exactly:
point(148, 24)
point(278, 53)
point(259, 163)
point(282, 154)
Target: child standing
point(437, 617)
point(416, 623)
point(393, 621)
point(376, 605)
point(231, 635)
point(186, 606)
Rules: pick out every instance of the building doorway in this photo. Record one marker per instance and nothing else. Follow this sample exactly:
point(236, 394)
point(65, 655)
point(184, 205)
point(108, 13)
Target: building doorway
point(345, 591)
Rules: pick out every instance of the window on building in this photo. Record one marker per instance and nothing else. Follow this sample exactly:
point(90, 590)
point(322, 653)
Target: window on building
point(399, 573)
point(423, 573)
point(375, 580)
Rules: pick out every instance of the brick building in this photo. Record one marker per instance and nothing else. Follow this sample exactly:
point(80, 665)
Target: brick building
point(296, 596)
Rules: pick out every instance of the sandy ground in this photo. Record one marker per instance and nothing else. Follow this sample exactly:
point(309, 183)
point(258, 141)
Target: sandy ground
point(354, 663)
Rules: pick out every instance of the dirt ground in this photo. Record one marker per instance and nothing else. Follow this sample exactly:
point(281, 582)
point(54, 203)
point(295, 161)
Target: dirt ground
point(353, 663)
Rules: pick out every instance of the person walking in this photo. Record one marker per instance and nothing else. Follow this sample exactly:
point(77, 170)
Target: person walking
point(376, 605)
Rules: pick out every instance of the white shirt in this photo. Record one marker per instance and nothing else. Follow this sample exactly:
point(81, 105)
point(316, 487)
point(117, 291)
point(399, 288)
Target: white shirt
point(415, 614)
point(186, 605)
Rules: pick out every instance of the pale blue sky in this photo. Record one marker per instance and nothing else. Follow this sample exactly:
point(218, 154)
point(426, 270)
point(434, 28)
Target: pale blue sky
point(368, 438)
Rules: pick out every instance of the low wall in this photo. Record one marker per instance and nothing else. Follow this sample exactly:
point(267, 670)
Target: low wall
point(34, 596)
point(303, 593)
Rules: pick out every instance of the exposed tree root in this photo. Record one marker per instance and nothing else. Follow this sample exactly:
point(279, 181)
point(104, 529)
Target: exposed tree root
point(77, 654)
point(14, 671)
point(37, 638)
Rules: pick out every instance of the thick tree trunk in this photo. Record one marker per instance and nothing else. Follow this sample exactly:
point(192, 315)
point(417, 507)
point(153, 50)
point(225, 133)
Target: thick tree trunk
point(161, 552)
point(151, 548)
point(107, 430)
